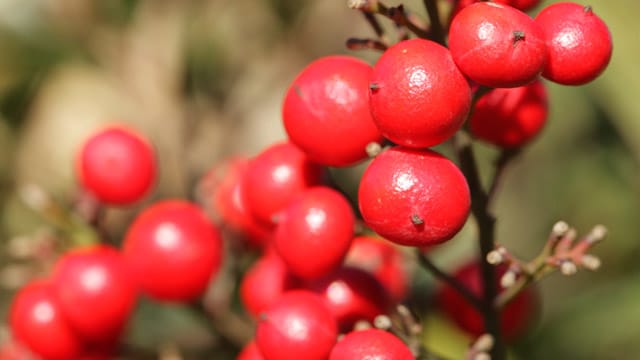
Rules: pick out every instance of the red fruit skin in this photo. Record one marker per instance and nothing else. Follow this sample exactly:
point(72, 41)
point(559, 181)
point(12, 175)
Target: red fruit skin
point(515, 319)
point(522, 5)
point(315, 232)
point(95, 292)
point(298, 326)
point(371, 344)
point(510, 118)
point(275, 176)
point(37, 321)
point(579, 43)
point(352, 294)
point(419, 98)
point(264, 283)
point(250, 352)
point(222, 193)
point(384, 260)
point(117, 165)
point(413, 197)
point(173, 250)
point(484, 45)
point(326, 111)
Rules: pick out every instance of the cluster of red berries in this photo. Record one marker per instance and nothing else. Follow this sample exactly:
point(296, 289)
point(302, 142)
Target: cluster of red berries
point(316, 278)
point(82, 308)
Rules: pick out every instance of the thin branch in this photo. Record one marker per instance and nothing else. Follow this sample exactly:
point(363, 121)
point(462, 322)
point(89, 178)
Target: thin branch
point(449, 280)
point(502, 163)
point(486, 233)
point(435, 27)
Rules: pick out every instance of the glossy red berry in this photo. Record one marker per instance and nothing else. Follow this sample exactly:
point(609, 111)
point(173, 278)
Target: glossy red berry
point(510, 118)
point(315, 232)
point(326, 111)
point(419, 98)
point(222, 192)
point(95, 291)
point(384, 260)
point(117, 165)
point(277, 175)
point(523, 5)
point(579, 43)
point(250, 352)
point(37, 321)
point(371, 344)
point(173, 250)
point(496, 45)
point(515, 319)
point(265, 281)
point(298, 326)
point(352, 295)
point(414, 197)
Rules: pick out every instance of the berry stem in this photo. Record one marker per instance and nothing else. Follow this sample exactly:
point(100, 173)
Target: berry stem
point(450, 280)
point(502, 163)
point(435, 28)
point(486, 233)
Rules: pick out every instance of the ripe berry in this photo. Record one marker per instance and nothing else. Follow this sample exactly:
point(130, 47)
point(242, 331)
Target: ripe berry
point(265, 282)
point(275, 176)
point(522, 5)
point(512, 117)
point(352, 295)
point(315, 232)
point(95, 291)
point(414, 197)
point(222, 192)
point(250, 352)
point(579, 43)
point(37, 321)
point(382, 259)
point(515, 318)
point(326, 111)
point(419, 98)
point(173, 250)
point(371, 344)
point(117, 165)
point(297, 326)
point(497, 45)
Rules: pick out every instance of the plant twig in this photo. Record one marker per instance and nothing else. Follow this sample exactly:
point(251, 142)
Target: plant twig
point(435, 27)
point(449, 280)
point(486, 233)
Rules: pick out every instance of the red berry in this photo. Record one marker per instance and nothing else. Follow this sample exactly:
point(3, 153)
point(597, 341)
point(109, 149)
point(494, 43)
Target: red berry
point(497, 45)
point(95, 292)
point(297, 326)
point(419, 98)
point(315, 232)
point(250, 352)
point(512, 117)
point(579, 43)
point(414, 197)
point(265, 282)
point(222, 192)
point(326, 111)
point(384, 260)
point(173, 250)
point(371, 344)
point(275, 176)
point(515, 318)
point(523, 5)
point(37, 321)
point(352, 295)
point(117, 165)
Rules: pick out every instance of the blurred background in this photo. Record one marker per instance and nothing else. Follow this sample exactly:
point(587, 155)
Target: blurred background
point(205, 79)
